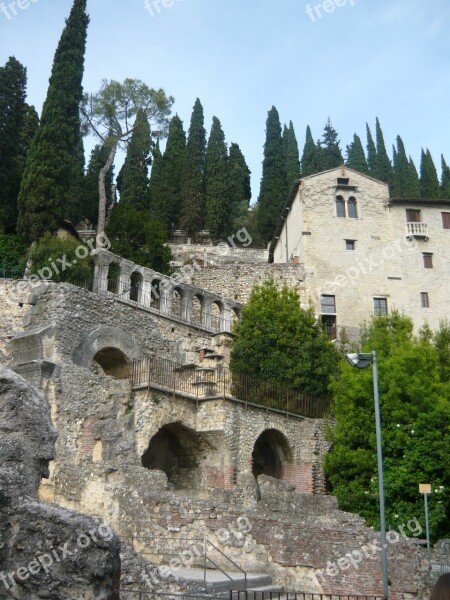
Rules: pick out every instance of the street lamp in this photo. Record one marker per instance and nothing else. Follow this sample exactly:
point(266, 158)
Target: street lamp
point(362, 361)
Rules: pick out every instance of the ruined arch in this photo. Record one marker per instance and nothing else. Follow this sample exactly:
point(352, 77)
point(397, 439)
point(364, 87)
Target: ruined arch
point(113, 278)
point(177, 301)
point(216, 315)
point(198, 303)
point(111, 361)
point(271, 452)
point(155, 294)
point(136, 284)
point(113, 342)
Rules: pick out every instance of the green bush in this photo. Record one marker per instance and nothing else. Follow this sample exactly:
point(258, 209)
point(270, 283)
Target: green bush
point(13, 250)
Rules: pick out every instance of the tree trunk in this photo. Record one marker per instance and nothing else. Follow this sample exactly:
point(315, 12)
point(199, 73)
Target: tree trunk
point(102, 196)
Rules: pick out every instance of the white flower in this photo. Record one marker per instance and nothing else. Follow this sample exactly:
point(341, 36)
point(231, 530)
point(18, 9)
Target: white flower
point(398, 424)
point(396, 516)
point(412, 431)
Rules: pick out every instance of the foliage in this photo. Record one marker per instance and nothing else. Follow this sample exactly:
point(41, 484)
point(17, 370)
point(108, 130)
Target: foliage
point(383, 169)
point(274, 180)
point(13, 250)
point(291, 156)
point(193, 193)
point(310, 163)
point(136, 236)
point(356, 159)
point(415, 412)
point(406, 180)
point(445, 179)
point(216, 182)
point(51, 187)
point(371, 153)
point(239, 190)
point(330, 155)
point(280, 342)
point(44, 254)
point(429, 182)
point(99, 156)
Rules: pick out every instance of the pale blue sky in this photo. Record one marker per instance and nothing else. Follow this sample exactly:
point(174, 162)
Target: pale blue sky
point(367, 58)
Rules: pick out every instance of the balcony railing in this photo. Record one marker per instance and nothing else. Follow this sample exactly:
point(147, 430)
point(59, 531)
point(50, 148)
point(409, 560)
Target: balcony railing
point(417, 230)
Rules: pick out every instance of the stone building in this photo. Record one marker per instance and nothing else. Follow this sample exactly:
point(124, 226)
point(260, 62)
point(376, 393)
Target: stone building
point(364, 253)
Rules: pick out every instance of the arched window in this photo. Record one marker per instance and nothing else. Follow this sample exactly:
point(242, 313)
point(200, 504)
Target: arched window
point(114, 278)
point(351, 208)
point(136, 287)
point(197, 309)
point(340, 207)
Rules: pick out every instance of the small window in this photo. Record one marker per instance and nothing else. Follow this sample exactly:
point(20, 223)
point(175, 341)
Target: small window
point(340, 207)
point(343, 180)
point(329, 325)
point(380, 307)
point(446, 220)
point(351, 208)
point(427, 260)
point(413, 215)
point(328, 304)
point(350, 244)
point(424, 300)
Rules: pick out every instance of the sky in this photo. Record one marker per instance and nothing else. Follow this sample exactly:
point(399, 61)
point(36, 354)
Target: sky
point(350, 60)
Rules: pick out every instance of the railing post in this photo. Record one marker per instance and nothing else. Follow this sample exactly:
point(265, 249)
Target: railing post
point(204, 561)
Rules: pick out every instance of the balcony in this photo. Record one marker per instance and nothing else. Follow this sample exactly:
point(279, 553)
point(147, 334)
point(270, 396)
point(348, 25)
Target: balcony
point(417, 230)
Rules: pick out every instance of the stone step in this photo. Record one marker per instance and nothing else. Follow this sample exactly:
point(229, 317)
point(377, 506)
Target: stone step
point(217, 582)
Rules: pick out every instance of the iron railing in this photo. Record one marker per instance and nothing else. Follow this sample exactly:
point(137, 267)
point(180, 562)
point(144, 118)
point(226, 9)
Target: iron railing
point(261, 595)
point(209, 382)
point(136, 594)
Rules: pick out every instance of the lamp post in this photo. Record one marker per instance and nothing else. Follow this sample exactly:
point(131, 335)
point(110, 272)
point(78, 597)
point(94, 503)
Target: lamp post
point(425, 489)
point(362, 361)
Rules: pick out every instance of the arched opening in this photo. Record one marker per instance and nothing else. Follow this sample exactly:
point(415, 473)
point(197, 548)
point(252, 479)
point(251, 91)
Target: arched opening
point(179, 452)
point(177, 301)
point(136, 282)
point(235, 316)
point(216, 316)
point(351, 208)
point(113, 278)
point(270, 452)
point(111, 361)
point(197, 310)
point(340, 207)
point(155, 294)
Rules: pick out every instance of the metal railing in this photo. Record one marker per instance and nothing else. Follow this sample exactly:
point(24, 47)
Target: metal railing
point(204, 383)
point(445, 556)
point(10, 274)
point(260, 595)
point(134, 594)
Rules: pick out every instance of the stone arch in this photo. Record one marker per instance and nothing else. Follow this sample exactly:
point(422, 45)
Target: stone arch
point(235, 316)
point(113, 278)
point(111, 361)
point(216, 315)
point(177, 301)
point(112, 341)
point(136, 285)
point(271, 452)
point(198, 304)
point(352, 210)
point(340, 207)
point(155, 294)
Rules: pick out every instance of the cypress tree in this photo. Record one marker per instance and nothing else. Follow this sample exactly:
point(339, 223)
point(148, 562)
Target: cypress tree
point(155, 177)
point(134, 180)
point(239, 189)
point(356, 159)
point(371, 153)
point(292, 155)
point(53, 180)
point(99, 156)
point(402, 172)
point(167, 192)
point(331, 155)
point(272, 195)
point(310, 163)
point(414, 184)
point(445, 180)
point(429, 182)
point(192, 190)
point(217, 197)
point(383, 170)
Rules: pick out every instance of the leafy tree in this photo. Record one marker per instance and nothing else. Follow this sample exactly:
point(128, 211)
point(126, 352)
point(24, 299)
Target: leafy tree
point(134, 181)
point(280, 342)
point(371, 153)
point(356, 158)
point(273, 182)
point(217, 197)
point(167, 189)
point(13, 250)
point(429, 182)
point(136, 236)
point(43, 256)
point(292, 156)
point(240, 191)
point(405, 181)
point(383, 167)
point(310, 163)
point(193, 193)
point(415, 411)
point(111, 116)
point(445, 179)
point(331, 155)
point(52, 183)
point(99, 156)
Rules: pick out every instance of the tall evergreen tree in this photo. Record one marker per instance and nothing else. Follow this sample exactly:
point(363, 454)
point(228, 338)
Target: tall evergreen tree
point(53, 180)
point(331, 155)
point(445, 179)
point(383, 169)
point(429, 182)
point(155, 177)
point(310, 163)
point(401, 187)
point(166, 192)
point(356, 159)
point(192, 192)
point(414, 184)
point(217, 197)
point(371, 153)
point(292, 155)
point(13, 80)
point(272, 194)
point(239, 188)
point(134, 184)
point(99, 155)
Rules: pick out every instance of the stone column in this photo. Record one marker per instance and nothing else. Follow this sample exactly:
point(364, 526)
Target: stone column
point(166, 290)
point(186, 305)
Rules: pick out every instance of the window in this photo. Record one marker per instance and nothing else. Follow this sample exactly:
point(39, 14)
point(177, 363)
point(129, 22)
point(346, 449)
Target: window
point(380, 306)
point(351, 209)
point(343, 180)
point(424, 300)
point(329, 326)
point(340, 208)
point(413, 215)
point(446, 220)
point(328, 304)
point(427, 260)
point(350, 244)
